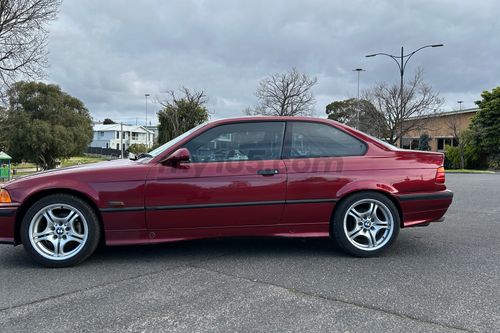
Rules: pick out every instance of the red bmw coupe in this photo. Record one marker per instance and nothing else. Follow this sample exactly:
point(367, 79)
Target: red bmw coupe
point(256, 176)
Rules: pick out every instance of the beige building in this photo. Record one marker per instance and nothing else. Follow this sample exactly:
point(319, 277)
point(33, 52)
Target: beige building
point(443, 128)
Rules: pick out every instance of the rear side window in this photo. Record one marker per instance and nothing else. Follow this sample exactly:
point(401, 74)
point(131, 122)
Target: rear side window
point(309, 140)
point(238, 142)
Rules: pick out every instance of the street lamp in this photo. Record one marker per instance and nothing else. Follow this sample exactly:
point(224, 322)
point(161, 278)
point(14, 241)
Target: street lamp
point(147, 133)
point(402, 61)
point(359, 70)
point(460, 105)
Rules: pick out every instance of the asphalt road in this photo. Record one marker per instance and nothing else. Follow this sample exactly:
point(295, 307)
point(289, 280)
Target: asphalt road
point(442, 278)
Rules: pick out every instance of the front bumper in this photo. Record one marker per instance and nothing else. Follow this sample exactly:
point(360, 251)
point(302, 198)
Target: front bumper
point(7, 223)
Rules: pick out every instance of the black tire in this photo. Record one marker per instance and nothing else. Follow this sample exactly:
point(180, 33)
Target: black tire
point(81, 243)
point(369, 234)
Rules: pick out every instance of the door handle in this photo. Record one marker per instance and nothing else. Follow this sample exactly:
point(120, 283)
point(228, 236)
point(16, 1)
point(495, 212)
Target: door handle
point(268, 172)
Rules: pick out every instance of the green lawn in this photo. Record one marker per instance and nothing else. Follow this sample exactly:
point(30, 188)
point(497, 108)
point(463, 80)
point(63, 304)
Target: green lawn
point(23, 166)
point(468, 171)
point(24, 169)
point(82, 160)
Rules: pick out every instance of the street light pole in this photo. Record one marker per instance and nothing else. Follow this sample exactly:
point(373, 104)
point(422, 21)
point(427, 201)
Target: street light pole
point(359, 70)
point(460, 105)
point(402, 61)
point(147, 133)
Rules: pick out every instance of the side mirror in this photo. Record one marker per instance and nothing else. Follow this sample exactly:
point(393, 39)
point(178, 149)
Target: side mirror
point(178, 156)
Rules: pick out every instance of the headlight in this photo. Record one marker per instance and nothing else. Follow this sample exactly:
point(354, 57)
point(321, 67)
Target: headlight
point(4, 196)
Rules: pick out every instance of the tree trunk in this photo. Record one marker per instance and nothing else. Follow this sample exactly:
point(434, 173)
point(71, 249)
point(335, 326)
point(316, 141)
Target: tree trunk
point(462, 158)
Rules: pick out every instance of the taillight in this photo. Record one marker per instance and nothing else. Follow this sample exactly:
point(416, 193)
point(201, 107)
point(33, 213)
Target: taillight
point(440, 175)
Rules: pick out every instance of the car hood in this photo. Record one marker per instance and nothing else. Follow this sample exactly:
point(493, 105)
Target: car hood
point(93, 169)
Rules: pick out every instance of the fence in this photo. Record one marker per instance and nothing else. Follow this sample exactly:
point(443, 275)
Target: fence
point(106, 151)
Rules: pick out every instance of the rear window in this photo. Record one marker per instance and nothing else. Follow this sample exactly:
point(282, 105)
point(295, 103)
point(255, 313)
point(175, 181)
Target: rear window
point(310, 140)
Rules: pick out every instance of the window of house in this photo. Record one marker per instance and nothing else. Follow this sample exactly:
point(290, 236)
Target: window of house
point(117, 135)
point(238, 142)
point(443, 142)
point(135, 136)
point(309, 140)
point(118, 146)
point(101, 133)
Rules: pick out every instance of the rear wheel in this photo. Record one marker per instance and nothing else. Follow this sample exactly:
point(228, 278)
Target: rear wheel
point(365, 224)
point(60, 230)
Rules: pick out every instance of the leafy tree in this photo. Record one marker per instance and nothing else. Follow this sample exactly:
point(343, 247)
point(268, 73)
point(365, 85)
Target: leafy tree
point(137, 148)
point(23, 38)
point(423, 142)
point(466, 157)
point(417, 98)
point(180, 114)
point(371, 121)
point(284, 94)
point(485, 125)
point(108, 121)
point(45, 124)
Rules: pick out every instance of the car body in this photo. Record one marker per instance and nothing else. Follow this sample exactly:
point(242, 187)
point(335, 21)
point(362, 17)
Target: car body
point(219, 180)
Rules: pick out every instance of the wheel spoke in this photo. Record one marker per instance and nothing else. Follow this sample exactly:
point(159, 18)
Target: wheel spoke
point(355, 233)
point(354, 213)
point(372, 212)
point(381, 224)
point(57, 247)
point(368, 236)
point(70, 218)
point(372, 234)
point(50, 217)
point(74, 238)
point(44, 235)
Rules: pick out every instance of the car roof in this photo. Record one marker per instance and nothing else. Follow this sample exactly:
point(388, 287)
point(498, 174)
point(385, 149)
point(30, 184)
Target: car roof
point(268, 118)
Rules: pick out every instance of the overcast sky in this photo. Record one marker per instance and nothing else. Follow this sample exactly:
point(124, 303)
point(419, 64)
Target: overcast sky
point(110, 53)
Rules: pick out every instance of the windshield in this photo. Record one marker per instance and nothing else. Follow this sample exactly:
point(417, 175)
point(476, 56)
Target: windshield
point(172, 142)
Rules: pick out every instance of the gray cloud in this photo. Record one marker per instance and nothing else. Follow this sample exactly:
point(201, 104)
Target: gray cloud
point(109, 53)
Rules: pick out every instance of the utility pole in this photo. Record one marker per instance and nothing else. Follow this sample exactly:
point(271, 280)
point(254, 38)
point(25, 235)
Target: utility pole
point(121, 140)
point(359, 70)
point(402, 61)
point(147, 134)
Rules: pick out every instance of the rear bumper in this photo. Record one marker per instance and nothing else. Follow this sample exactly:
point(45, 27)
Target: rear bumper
point(7, 224)
point(424, 208)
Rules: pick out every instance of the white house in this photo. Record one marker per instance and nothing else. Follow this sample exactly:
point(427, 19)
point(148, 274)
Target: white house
point(116, 135)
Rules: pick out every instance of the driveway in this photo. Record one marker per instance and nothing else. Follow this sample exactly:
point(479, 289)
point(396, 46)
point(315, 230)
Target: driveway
point(442, 278)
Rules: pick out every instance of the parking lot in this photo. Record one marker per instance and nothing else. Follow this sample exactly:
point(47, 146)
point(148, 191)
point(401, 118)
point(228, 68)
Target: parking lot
point(443, 278)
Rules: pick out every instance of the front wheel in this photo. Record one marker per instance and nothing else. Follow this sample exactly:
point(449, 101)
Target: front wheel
point(365, 224)
point(60, 230)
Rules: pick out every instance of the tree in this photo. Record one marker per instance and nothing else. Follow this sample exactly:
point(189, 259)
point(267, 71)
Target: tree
point(137, 148)
point(371, 121)
point(417, 98)
point(45, 124)
point(108, 121)
point(423, 142)
point(284, 94)
point(23, 38)
point(485, 125)
point(454, 125)
point(180, 114)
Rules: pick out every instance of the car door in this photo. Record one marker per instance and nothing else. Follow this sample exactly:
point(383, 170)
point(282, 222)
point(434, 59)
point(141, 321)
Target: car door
point(315, 154)
point(235, 178)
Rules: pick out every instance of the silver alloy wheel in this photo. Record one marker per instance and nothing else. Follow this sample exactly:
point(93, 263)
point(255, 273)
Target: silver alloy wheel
point(58, 231)
point(368, 224)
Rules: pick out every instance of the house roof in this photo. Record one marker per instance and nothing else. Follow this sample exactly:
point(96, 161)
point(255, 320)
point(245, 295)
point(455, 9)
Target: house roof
point(118, 127)
point(444, 114)
point(4, 156)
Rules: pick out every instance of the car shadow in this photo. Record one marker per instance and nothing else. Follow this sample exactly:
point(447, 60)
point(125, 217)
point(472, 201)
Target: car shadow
point(185, 252)
point(208, 248)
